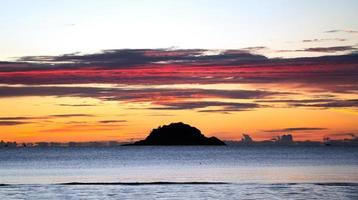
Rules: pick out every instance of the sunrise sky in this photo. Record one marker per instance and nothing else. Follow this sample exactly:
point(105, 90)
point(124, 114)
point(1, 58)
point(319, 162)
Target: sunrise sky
point(113, 70)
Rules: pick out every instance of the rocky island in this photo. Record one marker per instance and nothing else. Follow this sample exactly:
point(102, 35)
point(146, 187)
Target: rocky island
point(178, 134)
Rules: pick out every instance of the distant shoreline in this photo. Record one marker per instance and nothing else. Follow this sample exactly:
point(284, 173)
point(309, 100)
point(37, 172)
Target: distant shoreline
point(127, 144)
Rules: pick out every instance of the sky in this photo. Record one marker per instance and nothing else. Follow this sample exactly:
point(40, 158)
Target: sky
point(113, 70)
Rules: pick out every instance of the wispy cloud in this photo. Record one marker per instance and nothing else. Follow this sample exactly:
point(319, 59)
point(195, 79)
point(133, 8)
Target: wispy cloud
point(225, 106)
point(342, 31)
point(12, 123)
point(19, 120)
point(138, 94)
point(296, 129)
point(332, 49)
point(324, 40)
point(76, 105)
point(46, 116)
point(76, 128)
point(15, 118)
point(347, 103)
point(70, 115)
point(112, 121)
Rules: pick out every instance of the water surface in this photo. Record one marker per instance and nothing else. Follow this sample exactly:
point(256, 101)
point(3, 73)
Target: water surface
point(180, 172)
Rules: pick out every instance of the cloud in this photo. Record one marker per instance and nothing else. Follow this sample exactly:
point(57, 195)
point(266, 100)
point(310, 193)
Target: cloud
point(295, 129)
point(111, 121)
point(76, 128)
point(324, 40)
point(156, 67)
point(342, 31)
point(44, 117)
point(11, 123)
point(70, 115)
point(109, 124)
point(166, 98)
point(133, 74)
point(318, 103)
point(9, 91)
point(165, 66)
point(15, 118)
point(347, 103)
point(350, 134)
point(130, 94)
point(225, 110)
point(295, 100)
point(255, 49)
point(160, 115)
point(118, 58)
point(225, 106)
point(330, 49)
point(77, 105)
point(333, 49)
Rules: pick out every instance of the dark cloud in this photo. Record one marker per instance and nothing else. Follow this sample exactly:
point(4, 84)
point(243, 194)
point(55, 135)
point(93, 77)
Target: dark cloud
point(12, 123)
point(295, 129)
point(288, 101)
point(6, 91)
point(111, 121)
point(333, 49)
point(225, 110)
point(338, 74)
point(119, 58)
point(125, 94)
point(167, 98)
point(226, 106)
point(348, 103)
point(77, 122)
point(330, 49)
point(257, 48)
point(318, 103)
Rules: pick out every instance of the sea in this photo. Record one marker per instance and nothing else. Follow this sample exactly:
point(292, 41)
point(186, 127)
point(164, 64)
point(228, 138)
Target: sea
point(179, 172)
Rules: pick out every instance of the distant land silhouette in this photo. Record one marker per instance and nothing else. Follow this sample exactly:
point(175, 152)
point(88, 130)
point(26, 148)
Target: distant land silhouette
point(199, 139)
point(178, 134)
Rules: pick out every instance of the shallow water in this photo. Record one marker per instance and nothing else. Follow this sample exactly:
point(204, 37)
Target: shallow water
point(180, 173)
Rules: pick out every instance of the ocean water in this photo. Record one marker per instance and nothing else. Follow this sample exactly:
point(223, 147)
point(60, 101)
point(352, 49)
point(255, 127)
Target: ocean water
point(183, 172)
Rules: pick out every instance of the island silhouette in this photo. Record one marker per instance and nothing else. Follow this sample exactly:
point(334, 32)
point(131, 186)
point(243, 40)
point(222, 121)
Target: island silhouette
point(177, 134)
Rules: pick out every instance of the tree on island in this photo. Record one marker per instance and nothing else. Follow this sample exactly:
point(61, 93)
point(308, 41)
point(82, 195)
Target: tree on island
point(246, 139)
point(284, 139)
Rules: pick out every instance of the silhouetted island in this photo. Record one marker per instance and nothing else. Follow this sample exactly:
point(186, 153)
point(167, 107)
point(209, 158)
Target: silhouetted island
point(178, 134)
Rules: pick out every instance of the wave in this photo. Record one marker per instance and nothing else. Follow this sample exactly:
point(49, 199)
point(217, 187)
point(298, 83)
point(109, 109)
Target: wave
point(143, 183)
point(204, 183)
point(343, 184)
point(337, 184)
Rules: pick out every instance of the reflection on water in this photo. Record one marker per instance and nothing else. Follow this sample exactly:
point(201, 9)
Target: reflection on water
point(252, 172)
